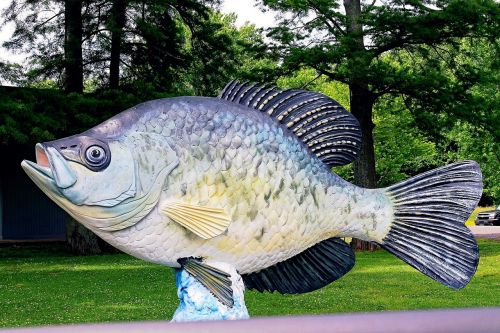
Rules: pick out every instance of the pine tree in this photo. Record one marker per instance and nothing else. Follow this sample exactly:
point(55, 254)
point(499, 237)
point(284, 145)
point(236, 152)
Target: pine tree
point(356, 43)
point(73, 58)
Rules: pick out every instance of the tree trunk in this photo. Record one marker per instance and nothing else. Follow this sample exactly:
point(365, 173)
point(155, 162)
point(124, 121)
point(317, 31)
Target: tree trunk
point(82, 241)
point(73, 63)
point(117, 23)
point(361, 100)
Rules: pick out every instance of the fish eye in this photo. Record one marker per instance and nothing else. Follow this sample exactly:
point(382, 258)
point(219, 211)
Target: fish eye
point(95, 155)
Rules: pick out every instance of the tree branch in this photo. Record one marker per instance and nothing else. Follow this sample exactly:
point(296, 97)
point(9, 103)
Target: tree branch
point(330, 75)
point(327, 20)
point(308, 83)
point(93, 34)
point(36, 27)
point(95, 61)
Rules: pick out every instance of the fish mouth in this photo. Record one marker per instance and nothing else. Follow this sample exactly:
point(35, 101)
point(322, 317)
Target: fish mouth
point(50, 167)
point(44, 173)
point(42, 169)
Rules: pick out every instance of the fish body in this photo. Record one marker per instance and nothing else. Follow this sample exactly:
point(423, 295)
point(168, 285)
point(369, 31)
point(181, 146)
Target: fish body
point(246, 179)
point(252, 169)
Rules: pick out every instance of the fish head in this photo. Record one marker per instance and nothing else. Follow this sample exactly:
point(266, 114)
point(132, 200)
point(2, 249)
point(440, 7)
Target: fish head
point(104, 183)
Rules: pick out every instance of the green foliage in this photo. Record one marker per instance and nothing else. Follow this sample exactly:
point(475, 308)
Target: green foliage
point(467, 126)
point(45, 286)
point(426, 64)
point(10, 72)
point(307, 78)
point(414, 49)
point(34, 115)
point(158, 52)
point(318, 34)
point(222, 52)
point(453, 82)
point(466, 141)
point(402, 151)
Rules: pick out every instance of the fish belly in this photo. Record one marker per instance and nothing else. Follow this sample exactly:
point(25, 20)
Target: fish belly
point(274, 200)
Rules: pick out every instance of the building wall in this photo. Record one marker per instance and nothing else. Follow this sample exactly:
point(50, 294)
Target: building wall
point(27, 213)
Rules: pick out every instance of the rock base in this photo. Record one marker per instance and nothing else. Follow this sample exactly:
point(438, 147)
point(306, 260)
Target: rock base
point(197, 303)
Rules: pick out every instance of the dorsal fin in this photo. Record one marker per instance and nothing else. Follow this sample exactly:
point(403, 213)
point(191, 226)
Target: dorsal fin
point(330, 132)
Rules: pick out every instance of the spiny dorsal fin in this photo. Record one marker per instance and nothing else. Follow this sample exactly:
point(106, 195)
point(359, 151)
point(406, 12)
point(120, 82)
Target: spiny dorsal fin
point(330, 132)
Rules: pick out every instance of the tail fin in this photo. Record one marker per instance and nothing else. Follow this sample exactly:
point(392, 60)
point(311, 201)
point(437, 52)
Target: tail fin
point(428, 230)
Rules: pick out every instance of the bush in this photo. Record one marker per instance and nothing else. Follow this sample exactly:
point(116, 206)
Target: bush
point(32, 115)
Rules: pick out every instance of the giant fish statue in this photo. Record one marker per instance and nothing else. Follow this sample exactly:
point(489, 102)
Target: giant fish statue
point(245, 179)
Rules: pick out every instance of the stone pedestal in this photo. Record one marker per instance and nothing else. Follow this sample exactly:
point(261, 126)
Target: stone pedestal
point(197, 303)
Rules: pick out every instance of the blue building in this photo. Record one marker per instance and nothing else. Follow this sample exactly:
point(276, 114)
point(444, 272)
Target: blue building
point(25, 212)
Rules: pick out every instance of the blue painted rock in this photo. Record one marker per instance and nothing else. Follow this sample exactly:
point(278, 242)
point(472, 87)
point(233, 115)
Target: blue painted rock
point(198, 303)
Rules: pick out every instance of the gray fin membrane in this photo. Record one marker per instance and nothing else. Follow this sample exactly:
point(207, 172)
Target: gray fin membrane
point(216, 281)
point(428, 230)
point(322, 124)
point(311, 269)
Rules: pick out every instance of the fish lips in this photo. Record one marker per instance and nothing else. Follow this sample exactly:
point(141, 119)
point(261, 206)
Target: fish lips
point(51, 169)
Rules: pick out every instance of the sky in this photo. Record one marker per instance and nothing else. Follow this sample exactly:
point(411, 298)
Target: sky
point(245, 9)
point(248, 12)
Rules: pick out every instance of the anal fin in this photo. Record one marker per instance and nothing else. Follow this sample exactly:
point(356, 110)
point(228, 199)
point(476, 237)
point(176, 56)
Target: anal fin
point(215, 280)
point(309, 270)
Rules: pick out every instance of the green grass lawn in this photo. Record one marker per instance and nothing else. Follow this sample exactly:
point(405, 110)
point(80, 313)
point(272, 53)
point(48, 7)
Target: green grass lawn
point(45, 285)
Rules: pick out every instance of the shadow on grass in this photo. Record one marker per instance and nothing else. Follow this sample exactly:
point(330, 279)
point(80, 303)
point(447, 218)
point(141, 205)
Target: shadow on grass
point(34, 251)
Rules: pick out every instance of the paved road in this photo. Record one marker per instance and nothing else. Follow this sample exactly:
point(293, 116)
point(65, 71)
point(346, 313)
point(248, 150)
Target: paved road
point(486, 232)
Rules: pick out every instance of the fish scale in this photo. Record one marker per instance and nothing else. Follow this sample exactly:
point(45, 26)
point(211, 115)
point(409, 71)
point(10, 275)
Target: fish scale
point(245, 179)
point(276, 162)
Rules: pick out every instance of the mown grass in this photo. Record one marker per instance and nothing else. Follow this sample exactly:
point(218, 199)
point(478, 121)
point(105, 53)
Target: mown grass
point(44, 285)
point(471, 221)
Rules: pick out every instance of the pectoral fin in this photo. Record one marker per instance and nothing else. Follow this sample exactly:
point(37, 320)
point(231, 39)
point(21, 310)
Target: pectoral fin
point(215, 280)
point(206, 222)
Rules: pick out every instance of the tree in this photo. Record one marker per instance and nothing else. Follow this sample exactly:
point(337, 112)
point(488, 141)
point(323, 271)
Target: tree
point(39, 32)
point(221, 52)
point(470, 130)
point(156, 43)
point(10, 72)
point(359, 46)
point(73, 61)
point(57, 35)
point(116, 25)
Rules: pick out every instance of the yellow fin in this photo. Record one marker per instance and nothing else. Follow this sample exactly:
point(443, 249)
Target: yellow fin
point(206, 222)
